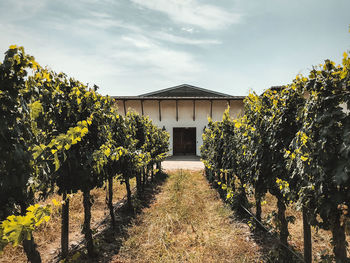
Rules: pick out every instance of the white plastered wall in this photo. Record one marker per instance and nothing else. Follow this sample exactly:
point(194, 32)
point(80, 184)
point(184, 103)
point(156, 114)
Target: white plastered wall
point(185, 114)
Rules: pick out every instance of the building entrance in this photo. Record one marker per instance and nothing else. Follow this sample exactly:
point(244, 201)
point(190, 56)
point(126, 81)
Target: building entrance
point(184, 141)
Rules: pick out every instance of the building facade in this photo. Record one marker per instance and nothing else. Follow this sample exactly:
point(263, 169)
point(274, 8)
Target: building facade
point(183, 111)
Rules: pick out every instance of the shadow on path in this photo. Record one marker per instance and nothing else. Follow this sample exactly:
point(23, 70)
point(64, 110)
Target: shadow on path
point(184, 158)
point(267, 241)
point(108, 241)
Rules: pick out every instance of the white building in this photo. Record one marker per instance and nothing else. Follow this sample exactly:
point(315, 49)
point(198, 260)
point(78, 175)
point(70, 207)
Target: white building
point(183, 111)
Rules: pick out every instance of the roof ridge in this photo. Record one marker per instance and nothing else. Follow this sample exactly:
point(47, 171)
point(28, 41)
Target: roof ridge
point(181, 86)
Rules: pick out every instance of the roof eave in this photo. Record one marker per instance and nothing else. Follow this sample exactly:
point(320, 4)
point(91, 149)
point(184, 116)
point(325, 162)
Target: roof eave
point(176, 98)
point(183, 85)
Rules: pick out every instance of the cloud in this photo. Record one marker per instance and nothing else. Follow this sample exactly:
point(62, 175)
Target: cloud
point(191, 12)
point(188, 29)
point(184, 40)
point(111, 50)
point(106, 21)
point(152, 56)
point(23, 9)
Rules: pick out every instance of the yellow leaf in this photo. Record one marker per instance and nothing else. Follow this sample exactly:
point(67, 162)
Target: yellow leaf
point(13, 46)
point(238, 125)
point(35, 109)
point(35, 65)
point(107, 152)
point(303, 158)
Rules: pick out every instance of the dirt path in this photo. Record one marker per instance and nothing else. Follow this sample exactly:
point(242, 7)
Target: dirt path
point(187, 223)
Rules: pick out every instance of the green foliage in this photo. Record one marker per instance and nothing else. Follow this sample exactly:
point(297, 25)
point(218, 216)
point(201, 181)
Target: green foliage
point(15, 135)
point(57, 133)
point(294, 142)
point(319, 154)
point(15, 229)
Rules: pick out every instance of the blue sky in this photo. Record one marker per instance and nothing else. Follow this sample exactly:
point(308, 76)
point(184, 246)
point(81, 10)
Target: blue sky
point(130, 47)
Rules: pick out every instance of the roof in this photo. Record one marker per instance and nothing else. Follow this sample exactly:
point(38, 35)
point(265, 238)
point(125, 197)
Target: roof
point(177, 98)
point(184, 91)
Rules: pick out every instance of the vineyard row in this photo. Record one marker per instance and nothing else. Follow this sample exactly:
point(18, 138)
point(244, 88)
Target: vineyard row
point(58, 135)
point(293, 141)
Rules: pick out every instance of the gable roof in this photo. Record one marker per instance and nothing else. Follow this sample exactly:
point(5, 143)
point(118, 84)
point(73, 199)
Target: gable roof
point(185, 90)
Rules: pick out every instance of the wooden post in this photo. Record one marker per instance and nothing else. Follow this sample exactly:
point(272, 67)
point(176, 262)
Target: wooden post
point(177, 111)
point(160, 111)
point(194, 110)
point(142, 107)
point(307, 238)
point(211, 108)
point(124, 107)
point(65, 226)
point(87, 222)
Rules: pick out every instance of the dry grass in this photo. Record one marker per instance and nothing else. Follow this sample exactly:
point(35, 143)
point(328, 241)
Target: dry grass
point(188, 223)
point(48, 235)
point(321, 239)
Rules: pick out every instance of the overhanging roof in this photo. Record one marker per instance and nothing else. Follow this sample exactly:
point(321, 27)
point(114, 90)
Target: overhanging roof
point(184, 90)
point(181, 92)
point(177, 98)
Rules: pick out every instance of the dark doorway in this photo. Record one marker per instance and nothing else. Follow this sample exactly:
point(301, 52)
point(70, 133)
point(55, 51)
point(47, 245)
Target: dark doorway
point(184, 142)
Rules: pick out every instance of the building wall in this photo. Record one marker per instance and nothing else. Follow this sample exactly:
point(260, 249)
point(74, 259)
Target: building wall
point(185, 114)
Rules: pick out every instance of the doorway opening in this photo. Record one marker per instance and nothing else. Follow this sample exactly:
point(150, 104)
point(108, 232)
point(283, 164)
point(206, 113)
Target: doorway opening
point(184, 141)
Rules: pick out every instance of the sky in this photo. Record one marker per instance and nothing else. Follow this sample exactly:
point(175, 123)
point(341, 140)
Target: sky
point(131, 47)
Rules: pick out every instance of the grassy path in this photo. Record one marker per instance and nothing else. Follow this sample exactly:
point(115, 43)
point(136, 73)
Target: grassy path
point(187, 223)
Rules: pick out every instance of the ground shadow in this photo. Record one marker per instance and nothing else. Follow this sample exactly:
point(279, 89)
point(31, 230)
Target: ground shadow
point(184, 158)
point(267, 241)
point(108, 240)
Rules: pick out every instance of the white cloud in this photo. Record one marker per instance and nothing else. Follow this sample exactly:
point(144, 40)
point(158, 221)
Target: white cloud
point(191, 12)
point(20, 10)
point(188, 29)
point(105, 21)
point(141, 51)
point(183, 40)
point(100, 47)
point(139, 41)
